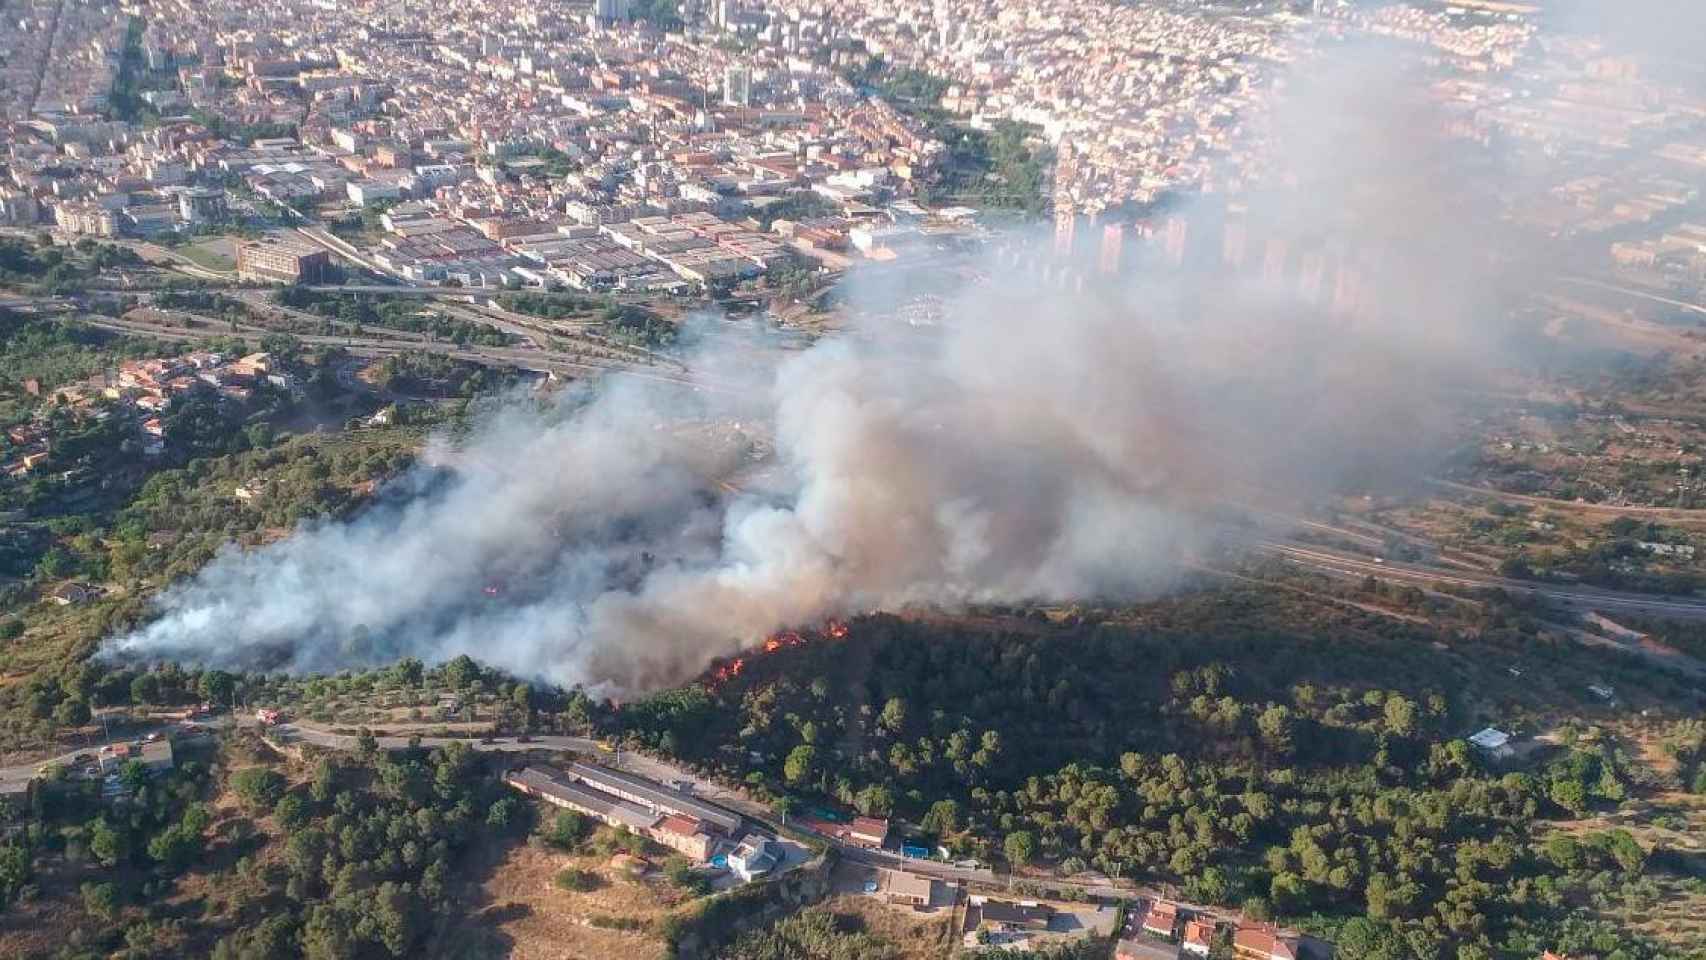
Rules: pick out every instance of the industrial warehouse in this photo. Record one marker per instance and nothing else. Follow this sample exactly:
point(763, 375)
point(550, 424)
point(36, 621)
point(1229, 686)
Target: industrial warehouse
point(683, 823)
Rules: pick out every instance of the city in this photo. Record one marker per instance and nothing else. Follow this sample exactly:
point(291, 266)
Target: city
point(811, 480)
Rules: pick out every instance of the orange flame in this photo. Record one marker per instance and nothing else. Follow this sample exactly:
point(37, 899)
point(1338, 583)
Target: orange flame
point(727, 671)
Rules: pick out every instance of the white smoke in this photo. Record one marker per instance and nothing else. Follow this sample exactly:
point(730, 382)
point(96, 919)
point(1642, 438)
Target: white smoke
point(1035, 445)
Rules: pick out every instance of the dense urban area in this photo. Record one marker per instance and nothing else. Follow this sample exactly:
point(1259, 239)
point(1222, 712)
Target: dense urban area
point(1418, 673)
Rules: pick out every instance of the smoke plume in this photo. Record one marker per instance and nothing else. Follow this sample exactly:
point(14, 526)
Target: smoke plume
point(1039, 441)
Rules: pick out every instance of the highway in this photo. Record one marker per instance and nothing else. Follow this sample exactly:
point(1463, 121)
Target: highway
point(1579, 598)
point(1638, 294)
point(1591, 598)
point(1671, 514)
point(540, 361)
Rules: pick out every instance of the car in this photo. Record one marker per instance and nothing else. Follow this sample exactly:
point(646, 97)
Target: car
point(83, 758)
point(487, 740)
point(523, 738)
point(151, 738)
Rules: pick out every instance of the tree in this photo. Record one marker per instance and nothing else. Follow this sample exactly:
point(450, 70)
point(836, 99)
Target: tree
point(1624, 849)
point(101, 899)
point(893, 716)
point(258, 787)
point(72, 713)
point(801, 764)
point(291, 812)
point(1569, 794)
point(1365, 939)
point(274, 938)
point(566, 829)
point(15, 871)
point(875, 800)
point(1400, 716)
point(407, 672)
point(1277, 727)
point(145, 689)
point(577, 880)
point(943, 818)
point(107, 844)
point(1020, 846)
point(461, 672)
point(177, 846)
point(217, 686)
point(134, 775)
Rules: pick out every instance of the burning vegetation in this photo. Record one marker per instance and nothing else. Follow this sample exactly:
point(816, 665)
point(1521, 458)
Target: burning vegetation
point(724, 670)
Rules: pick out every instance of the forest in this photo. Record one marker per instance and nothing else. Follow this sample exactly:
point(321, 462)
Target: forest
point(1316, 777)
point(238, 857)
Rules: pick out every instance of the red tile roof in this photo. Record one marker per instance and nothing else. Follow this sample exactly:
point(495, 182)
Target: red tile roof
point(1264, 939)
point(683, 826)
point(1199, 932)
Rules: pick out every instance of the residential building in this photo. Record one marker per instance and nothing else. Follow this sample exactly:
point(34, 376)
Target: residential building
point(684, 835)
point(754, 858)
point(737, 86)
point(201, 204)
point(1162, 920)
point(282, 261)
point(1264, 941)
point(1493, 742)
point(1199, 937)
point(157, 756)
point(868, 832)
point(911, 889)
point(1009, 916)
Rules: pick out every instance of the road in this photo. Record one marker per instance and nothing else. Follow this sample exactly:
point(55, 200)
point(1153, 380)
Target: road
point(1672, 514)
point(641, 764)
point(540, 361)
point(1638, 294)
point(1582, 599)
point(1593, 598)
point(323, 238)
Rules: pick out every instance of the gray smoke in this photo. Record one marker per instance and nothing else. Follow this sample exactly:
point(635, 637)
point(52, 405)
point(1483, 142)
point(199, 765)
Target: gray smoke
point(1038, 443)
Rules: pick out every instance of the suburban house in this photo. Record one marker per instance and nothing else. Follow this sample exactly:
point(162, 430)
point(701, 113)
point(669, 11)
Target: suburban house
point(157, 756)
point(1264, 941)
point(868, 832)
point(1493, 742)
point(1199, 937)
point(684, 835)
point(910, 889)
point(1007, 916)
point(754, 857)
point(1162, 920)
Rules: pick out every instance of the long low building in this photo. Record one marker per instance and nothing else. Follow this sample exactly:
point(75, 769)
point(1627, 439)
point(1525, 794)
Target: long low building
point(666, 816)
point(554, 788)
point(654, 796)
